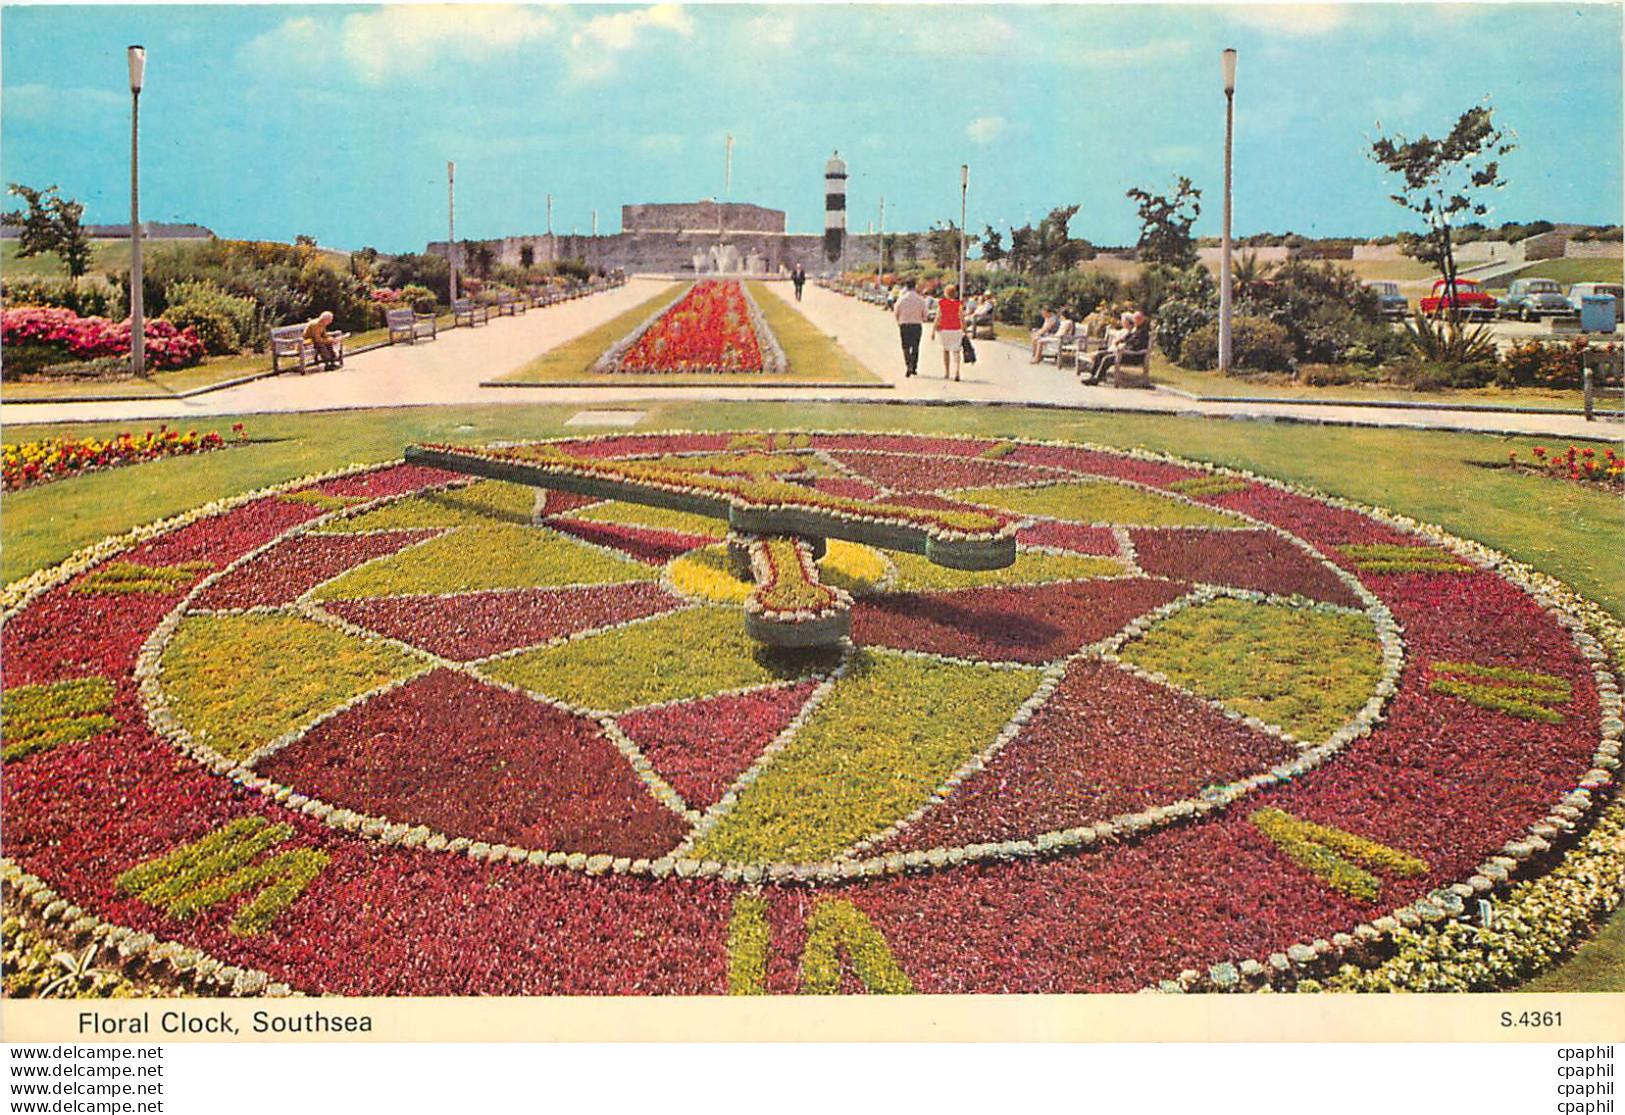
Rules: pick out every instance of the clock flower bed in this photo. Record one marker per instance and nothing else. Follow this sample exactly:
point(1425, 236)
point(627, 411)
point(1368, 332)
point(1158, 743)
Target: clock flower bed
point(407, 731)
point(716, 327)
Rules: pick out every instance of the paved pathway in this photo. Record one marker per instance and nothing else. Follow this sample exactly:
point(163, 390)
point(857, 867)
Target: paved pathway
point(451, 369)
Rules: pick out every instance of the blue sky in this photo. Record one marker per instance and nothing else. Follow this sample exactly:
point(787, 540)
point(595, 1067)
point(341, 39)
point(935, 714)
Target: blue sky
point(337, 121)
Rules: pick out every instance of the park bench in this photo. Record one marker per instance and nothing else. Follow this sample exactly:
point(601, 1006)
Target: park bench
point(1132, 368)
point(981, 328)
point(509, 303)
point(408, 325)
point(475, 313)
point(288, 344)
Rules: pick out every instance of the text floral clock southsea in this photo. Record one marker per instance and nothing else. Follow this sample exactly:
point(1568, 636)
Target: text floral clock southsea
point(476, 726)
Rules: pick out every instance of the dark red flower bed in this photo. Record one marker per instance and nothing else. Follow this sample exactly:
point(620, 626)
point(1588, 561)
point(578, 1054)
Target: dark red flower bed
point(394, 480)
point(701, 747)
point(292, 568)
point(654, 547)
point(485, 778)
point(1250, 559)
point(477, 624)
point(1030, 624)
point(709, 329)
point(912, 473)
point(1106, 743)
point(1076, 537)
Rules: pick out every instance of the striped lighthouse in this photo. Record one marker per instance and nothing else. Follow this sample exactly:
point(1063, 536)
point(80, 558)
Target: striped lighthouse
point(834, 208)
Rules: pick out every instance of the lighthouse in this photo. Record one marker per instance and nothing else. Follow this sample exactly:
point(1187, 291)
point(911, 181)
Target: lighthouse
point(834, 208)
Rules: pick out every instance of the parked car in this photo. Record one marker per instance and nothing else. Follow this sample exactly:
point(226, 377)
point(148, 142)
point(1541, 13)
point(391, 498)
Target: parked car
point(1528, 299)
point(1471, 300)
point(1389, 300)
point(1580, 291)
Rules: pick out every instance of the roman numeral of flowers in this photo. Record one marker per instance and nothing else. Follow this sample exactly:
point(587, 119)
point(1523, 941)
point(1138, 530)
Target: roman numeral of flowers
point(1326, 852)
point(1519, 693)
point(1403, 559)
point(126, 577)
point(226, 864)
point(38, 717)
point(834, 926)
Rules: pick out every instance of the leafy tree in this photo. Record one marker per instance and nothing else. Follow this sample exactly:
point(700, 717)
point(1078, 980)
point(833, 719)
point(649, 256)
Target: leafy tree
point(51, 224)
point(1056, 250)
point(527, 256)
point(908, 243)
point(1441, 181)
point(1165, 223)
point(1023, 248)
point(992, 244)
point(483, 259)
point(943, 244)
point(305, 241)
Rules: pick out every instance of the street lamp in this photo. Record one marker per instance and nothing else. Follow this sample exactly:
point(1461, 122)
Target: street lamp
point(964, 185)
point(1227, 62)
point(138, 336)
point(451, 224)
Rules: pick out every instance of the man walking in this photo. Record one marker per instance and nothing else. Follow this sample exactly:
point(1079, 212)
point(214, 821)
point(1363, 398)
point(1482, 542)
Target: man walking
point(799, 278)
point(910, 311)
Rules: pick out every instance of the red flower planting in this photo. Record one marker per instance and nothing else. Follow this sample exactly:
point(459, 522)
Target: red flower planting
point(708, 330)
point(1251, 559)
point(86, 338)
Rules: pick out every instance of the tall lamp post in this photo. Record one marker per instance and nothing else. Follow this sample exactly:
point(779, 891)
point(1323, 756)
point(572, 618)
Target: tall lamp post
point(1227, 62)
point(138, 336)
point(451, 224)
point(880, 267)
point(964, 185)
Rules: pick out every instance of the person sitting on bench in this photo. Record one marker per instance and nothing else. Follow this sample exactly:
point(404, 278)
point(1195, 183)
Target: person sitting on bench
point(1131, 336)
point(1045, 330)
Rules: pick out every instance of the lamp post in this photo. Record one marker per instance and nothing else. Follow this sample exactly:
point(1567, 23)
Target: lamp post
point(451, 224)
point(138, 335)
point(880, 267)
point(964, 185)
point(1227, 62)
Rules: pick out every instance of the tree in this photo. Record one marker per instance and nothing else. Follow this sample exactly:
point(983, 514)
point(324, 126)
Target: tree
point(943, 244)
point(527, 256)
point(992, 244)
point(51, 224)
point(1441, 180)
point(305, 241)
point(1054, 248)
point(483, 259)
point(1023, 247)
point(1165, 223)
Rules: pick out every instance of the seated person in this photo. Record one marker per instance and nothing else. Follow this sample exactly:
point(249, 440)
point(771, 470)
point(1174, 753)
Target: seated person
point(1045, 330)
point(1131, 335)
point(321, 340)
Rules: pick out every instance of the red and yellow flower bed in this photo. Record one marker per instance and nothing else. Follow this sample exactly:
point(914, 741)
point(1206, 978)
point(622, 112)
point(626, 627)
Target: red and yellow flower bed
point(715, 328)
point(26, 463)
point(404, 732)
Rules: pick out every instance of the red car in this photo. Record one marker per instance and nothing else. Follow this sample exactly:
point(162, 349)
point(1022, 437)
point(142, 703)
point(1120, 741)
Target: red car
point(1471, 301)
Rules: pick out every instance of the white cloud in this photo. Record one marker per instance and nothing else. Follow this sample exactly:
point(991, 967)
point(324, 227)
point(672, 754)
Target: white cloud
point(384, 43)
point(1292, 19)
point(594, 48)
point(985, 129)
point(79, 105)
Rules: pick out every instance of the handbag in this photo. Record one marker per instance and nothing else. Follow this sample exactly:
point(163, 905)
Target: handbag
point(966, 349)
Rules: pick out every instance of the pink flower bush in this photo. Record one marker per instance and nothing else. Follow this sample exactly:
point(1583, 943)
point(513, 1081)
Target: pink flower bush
point(87, 338)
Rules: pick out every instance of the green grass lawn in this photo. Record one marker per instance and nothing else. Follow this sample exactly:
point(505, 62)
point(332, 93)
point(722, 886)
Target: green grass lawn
point(1568, 271)
point(814, 357)
point(1214, 385)
point(1447, 478)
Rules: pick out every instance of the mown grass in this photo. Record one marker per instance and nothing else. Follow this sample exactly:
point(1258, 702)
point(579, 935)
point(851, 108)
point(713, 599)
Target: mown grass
point(1567, 530)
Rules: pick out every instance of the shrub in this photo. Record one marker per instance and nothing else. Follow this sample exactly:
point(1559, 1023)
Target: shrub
point(241, 313)
point(86, 301)
point(1256, 345)
point(1331, 375)
point(420, 298)
point(76, 338)
point(1178, 319)
point(1420, 375)
point(213, 328)
point(1535, 364)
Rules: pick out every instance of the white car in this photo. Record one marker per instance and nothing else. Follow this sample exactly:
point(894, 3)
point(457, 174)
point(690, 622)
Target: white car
point(1599, 290)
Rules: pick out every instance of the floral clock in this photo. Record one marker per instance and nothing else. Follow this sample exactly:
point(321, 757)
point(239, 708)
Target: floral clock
point(405, 730)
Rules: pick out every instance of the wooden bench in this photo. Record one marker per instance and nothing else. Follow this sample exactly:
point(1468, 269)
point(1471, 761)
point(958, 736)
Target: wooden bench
point(288, 344)
point(510, 304)
point(1132, 368)
point(476, 313)
point(409, 325)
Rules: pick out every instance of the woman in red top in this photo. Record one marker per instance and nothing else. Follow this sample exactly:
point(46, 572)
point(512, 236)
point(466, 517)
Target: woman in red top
point(949, 328)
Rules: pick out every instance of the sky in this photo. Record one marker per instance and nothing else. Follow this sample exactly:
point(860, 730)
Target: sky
point(337, 121)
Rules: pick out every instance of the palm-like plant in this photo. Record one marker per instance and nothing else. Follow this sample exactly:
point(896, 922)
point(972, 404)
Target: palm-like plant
point(1449, 340)
point(79, 972)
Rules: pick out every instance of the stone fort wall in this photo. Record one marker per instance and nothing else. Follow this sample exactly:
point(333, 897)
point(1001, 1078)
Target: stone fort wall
point(671, 251)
